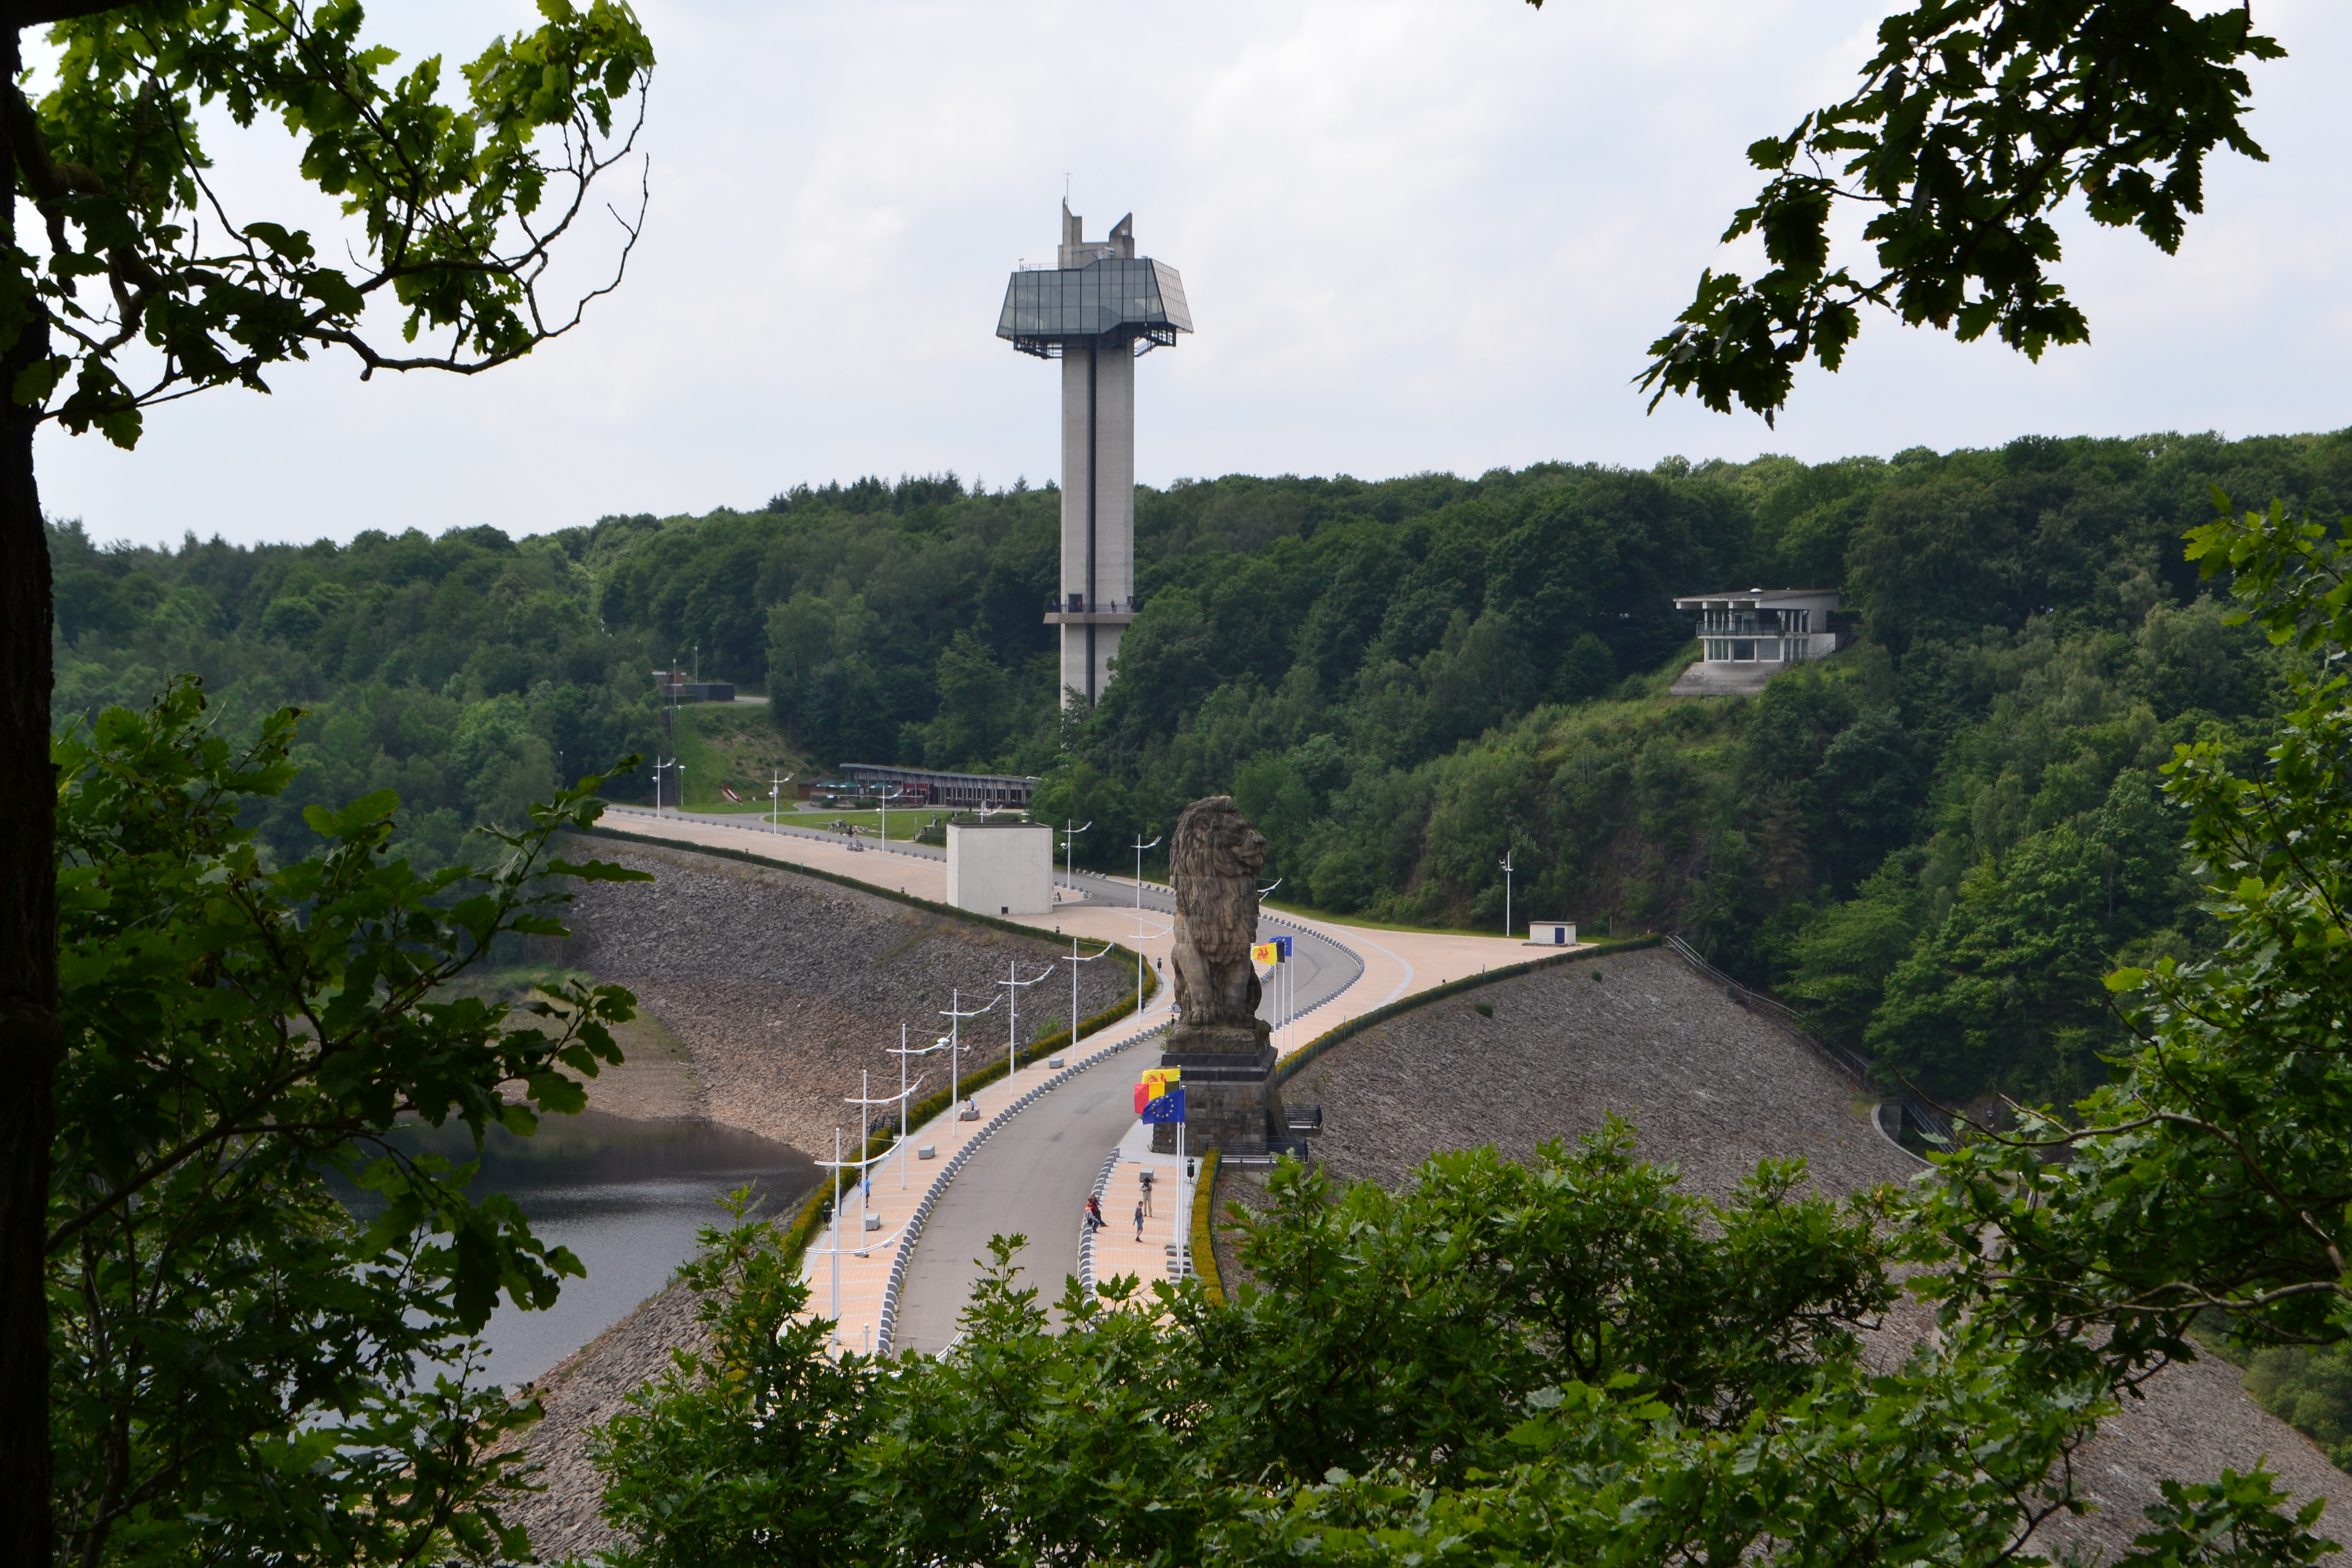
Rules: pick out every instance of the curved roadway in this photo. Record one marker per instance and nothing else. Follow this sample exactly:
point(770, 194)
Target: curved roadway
point(1033, 1177)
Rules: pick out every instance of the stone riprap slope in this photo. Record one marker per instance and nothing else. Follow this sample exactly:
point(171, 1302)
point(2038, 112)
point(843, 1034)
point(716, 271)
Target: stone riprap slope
point(782, 987)
point(1712, 1088)
point(565, 1517)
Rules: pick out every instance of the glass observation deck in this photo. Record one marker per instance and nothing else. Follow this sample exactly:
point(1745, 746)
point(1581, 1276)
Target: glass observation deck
point(1119, 300)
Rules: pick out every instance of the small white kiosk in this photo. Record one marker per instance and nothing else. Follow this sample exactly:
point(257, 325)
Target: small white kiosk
point(1552, 933)
point(1000, 867)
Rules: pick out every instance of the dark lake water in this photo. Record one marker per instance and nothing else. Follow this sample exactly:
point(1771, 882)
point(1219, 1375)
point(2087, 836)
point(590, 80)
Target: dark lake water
point(627, 1196)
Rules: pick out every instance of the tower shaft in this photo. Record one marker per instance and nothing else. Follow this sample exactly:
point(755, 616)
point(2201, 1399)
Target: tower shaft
point(1098, 510)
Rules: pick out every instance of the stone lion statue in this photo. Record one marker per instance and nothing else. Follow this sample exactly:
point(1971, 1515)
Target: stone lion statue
point(1215, 859)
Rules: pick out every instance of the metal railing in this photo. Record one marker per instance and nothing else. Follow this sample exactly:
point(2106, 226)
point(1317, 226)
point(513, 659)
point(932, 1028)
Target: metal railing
point(1928, 1122)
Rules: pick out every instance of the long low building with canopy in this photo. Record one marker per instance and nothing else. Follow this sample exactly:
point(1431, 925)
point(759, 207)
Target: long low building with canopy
point(924, 787)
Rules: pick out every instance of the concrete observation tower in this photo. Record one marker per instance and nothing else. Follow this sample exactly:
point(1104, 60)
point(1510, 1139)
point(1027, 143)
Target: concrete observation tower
point(1099, 309)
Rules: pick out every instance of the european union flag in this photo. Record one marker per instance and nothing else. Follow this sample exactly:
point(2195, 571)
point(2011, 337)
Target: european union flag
point(1169, 1107)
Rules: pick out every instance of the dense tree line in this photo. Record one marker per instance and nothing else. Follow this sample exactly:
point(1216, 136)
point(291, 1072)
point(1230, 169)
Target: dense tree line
point(461, 671)
point(1934, 842)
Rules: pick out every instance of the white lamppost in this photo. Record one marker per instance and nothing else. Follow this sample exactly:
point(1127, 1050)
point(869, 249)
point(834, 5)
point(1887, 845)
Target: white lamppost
point(1139, 847)
point(776, 794)
point(864, 1102)
point(836, 1165)
point(1014, 986)
point(1075, 962)
point(905, 1090)
point(837, 1234)
point(1070, 860)
point(955, 1038)
point(677, 773)
point(882, 812)
point(1506, 864)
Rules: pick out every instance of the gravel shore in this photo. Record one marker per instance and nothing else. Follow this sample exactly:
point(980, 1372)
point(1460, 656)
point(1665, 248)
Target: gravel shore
point(1711, 1088)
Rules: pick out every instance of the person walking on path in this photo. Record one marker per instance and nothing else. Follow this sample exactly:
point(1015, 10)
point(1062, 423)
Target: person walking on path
point(1138, 1222)
point(1146, 1178)
point(1094, 1213)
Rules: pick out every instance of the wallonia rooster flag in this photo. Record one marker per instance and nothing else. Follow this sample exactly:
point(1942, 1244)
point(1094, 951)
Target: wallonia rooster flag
point(1155, 1084)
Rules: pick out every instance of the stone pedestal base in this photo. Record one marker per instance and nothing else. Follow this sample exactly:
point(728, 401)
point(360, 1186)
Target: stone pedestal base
point(1231, 1096)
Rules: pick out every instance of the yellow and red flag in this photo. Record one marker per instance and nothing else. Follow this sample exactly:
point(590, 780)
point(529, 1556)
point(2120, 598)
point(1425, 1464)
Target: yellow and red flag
point(1155, 1084)
point(1266, 953)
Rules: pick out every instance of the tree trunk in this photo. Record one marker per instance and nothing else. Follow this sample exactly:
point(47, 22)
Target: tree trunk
point(30, 1043)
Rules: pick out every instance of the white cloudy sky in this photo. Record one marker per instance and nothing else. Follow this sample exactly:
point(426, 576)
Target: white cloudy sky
point(1417, 234)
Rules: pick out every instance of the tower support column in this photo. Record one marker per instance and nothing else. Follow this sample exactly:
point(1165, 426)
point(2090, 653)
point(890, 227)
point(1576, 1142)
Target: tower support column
point(1098, 576)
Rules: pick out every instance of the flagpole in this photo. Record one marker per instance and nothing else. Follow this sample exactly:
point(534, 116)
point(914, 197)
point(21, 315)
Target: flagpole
point(836, 1236)
point(1183, 1204)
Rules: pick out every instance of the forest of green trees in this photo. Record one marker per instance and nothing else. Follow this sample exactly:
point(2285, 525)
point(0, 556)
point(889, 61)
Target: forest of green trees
point(236, 935)
point(1933, 843)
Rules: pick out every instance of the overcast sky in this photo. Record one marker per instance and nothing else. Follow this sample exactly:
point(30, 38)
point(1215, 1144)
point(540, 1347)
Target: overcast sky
point(1416, 235)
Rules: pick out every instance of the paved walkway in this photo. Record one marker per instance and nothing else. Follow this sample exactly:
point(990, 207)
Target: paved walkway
point(1158, 1254)
point(1026, 1162)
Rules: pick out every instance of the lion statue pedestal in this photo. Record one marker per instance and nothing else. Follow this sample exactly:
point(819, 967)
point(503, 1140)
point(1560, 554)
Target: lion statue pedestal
point(1221, 1047)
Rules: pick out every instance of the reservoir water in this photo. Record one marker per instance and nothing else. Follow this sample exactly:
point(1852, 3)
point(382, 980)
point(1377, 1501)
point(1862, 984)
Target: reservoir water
point(628, 1196)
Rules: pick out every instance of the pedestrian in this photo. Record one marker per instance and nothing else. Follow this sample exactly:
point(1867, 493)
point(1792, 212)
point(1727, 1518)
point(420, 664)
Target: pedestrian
point(1138, 1222)
point(1147, 1190)
point(1094, 1213)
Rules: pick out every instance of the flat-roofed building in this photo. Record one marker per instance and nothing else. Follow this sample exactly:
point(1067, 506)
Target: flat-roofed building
point(1000, 867)
point(927, 786)
point(1750, 636)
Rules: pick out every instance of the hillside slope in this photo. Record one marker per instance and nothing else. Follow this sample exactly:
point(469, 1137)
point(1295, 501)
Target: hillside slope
point(1712, 1088)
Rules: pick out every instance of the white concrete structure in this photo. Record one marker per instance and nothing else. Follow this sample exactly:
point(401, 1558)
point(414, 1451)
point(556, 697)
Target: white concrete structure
point(1747, 638)
point(1000, 867)
point(1552, 933)
point(1099, 309)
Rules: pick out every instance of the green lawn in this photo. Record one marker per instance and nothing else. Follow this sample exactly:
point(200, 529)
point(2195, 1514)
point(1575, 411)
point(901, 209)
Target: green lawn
point(726, 744)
